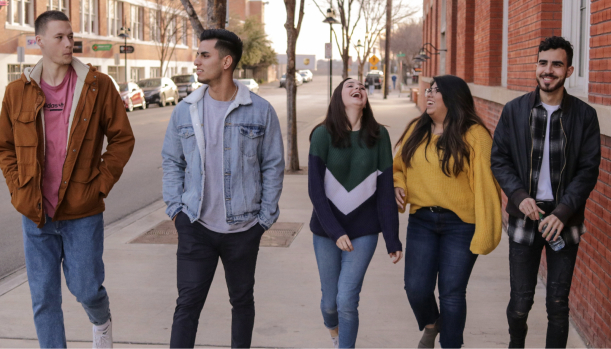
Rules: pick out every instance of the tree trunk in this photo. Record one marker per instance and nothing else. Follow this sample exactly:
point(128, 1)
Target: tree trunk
point(345, 59)
point(217, 14)
point(193, 17)
point(387, 47)
point(291, 89)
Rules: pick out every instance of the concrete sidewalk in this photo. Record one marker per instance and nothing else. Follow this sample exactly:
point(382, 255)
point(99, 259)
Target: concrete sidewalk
point(141, 283)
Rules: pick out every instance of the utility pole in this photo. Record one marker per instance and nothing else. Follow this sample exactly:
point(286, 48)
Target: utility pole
point(387, 48)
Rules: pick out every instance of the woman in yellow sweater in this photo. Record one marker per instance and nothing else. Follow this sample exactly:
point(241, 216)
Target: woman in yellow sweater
point(442, 169)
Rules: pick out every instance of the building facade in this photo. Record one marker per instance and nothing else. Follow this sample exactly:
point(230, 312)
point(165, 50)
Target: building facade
point(158, 28)
point(493, 45)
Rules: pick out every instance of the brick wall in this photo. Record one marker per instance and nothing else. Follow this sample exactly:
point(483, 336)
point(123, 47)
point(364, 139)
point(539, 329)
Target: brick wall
point(600, 57)
point(530, 21)
point(465, 16)
point(488, 42)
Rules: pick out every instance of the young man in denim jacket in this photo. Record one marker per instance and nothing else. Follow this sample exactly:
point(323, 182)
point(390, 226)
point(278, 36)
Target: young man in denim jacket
point(546, 157)
point(223, 166)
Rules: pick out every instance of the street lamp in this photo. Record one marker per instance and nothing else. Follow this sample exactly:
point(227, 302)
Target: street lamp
point(358, 48)
point(331, 20)
point(124, 33)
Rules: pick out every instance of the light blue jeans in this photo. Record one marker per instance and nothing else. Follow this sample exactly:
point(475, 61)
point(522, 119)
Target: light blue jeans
point(77, 246)
point(341, 278)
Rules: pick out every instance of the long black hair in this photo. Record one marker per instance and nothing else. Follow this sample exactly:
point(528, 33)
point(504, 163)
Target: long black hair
point(339, 127)
point(451, 144)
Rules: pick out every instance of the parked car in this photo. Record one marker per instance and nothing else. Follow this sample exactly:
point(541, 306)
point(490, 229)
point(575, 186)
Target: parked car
point(251, 84)
point(186, 84)
point(298, 80)
point(132, 96)
point(159, 90)
point(374, 78)
point(114, 82)
point(307, 75)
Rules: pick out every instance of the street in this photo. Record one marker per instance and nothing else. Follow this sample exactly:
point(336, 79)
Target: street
point(140, 184)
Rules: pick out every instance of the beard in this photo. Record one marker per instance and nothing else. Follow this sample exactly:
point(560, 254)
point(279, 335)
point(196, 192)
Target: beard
point(552, 86)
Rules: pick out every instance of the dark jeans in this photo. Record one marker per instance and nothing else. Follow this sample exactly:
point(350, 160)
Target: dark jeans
point(524, 266)
point(198, 254)
point(438, 246)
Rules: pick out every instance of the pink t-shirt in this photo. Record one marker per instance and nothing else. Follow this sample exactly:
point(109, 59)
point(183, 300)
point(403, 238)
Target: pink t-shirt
point(57, 118)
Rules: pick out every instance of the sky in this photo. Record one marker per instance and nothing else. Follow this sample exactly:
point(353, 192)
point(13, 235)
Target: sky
point(314, 33)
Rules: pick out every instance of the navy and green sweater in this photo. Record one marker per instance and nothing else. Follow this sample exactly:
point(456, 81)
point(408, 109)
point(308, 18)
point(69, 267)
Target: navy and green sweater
point(352, 188)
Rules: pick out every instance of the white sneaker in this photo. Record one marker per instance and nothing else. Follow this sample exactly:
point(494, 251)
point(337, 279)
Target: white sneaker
point(335, 342)
point(102, 336)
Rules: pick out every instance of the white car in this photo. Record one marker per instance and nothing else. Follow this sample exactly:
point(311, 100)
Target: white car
point(298, 80)
point(306, 74)
point(251, 84)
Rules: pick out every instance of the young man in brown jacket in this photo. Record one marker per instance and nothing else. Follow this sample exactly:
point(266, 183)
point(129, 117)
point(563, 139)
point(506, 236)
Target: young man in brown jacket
point(52, 126)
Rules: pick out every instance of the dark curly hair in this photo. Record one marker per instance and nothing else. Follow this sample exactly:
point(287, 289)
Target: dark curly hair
point(555, 42)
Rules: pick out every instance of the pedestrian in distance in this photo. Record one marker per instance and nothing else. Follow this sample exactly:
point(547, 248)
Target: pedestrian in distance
point(350, 185)
point(442, 169)
point(547, 176)
point(52, 128)
point(370, 80)
point(394, 81)
point(223, 167)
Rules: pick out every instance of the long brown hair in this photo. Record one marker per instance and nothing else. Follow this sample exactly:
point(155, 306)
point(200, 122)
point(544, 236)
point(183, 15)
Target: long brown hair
point(451, 144)
point(339, 127)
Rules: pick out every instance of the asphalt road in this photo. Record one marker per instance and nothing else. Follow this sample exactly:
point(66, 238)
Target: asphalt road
point(140, 184)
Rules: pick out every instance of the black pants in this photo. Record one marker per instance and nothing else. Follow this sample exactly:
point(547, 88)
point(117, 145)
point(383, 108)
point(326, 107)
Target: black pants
point(198, 253)
point(524, 265)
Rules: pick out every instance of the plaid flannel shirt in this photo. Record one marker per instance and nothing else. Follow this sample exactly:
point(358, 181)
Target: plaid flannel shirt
point(523, 230)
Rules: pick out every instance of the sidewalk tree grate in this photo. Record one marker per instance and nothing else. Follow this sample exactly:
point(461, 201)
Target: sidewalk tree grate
point(281, 234)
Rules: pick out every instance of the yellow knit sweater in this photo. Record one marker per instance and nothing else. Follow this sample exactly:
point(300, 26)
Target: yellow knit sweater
point(474, 195)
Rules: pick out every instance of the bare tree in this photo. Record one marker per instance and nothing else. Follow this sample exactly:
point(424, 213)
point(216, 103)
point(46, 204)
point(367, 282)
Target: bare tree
point(407, 39)
point(346, 9)
point(165, 22)
point(194, 19)
point(292, 33)
point(374, 16)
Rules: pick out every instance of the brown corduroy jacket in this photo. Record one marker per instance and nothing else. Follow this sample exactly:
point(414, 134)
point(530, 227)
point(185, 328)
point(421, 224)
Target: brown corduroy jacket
point(87, 175)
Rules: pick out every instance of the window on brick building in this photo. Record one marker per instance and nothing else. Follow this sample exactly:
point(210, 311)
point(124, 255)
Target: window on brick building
point(14, 72)
point(185, 25)
point(59, 5)
point(115, 17)
point(155, 72)
point(576, 29)
point(89, 16)
point(20, 12)
point(195, 42)
point(137, 19)
point(154, 20)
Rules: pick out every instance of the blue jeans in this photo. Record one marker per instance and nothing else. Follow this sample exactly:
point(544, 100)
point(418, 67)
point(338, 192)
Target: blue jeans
point(341, 279)
point(77, 246)
point(437, 246)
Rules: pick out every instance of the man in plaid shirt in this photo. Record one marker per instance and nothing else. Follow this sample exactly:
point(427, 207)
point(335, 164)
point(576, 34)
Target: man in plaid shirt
point(545, 156)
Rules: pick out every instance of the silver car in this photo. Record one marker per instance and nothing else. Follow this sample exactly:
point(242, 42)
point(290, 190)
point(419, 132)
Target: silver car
point(251, 84)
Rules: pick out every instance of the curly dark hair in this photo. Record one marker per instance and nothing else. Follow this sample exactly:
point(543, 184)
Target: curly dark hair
point(555, 42)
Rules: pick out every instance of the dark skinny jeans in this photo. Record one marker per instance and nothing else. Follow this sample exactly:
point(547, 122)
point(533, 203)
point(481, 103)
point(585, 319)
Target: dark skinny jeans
point(524, 266)
point(198, 254)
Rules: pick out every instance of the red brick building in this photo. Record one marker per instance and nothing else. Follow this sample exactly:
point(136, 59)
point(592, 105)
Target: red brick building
point(492, 44)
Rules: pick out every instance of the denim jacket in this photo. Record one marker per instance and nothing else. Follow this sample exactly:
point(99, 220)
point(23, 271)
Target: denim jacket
point(253, 159)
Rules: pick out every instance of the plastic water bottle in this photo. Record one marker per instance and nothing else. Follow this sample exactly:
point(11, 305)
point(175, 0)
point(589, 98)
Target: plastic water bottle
point(555, 245)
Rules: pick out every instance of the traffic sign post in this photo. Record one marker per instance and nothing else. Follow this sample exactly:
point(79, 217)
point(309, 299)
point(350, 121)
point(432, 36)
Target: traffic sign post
point(374, 60)
point(101, 47)
point(126, 49)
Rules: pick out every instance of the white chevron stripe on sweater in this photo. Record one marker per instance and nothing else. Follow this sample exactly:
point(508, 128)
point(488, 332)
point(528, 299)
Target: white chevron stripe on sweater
point(348, 201)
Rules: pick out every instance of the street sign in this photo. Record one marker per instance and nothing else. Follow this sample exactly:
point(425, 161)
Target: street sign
point(327, 50)
point(374, 60)
point(78, 47)
point(401, 55)
point(117, 59)
point(101, 47)
point(20, 54)
point(373, 67)
point(306, 61)
point(126, 49)
point(30, 42)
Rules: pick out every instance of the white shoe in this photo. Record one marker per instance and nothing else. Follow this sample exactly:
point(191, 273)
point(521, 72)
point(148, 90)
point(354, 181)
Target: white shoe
point(335, 342)
point(102, 335)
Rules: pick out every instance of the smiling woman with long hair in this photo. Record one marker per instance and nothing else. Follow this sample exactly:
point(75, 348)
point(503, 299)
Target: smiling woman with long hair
point(442, 169)
point(351, 187)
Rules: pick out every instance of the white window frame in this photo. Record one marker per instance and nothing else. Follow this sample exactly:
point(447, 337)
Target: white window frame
point(91, 18)
point(59, 5)
point(136, 18)
point(194, 39)
point(577, 31)
point(154, 25)
point(185, 38)
point(173, 30)
point(115, 17)
point(17, 8)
